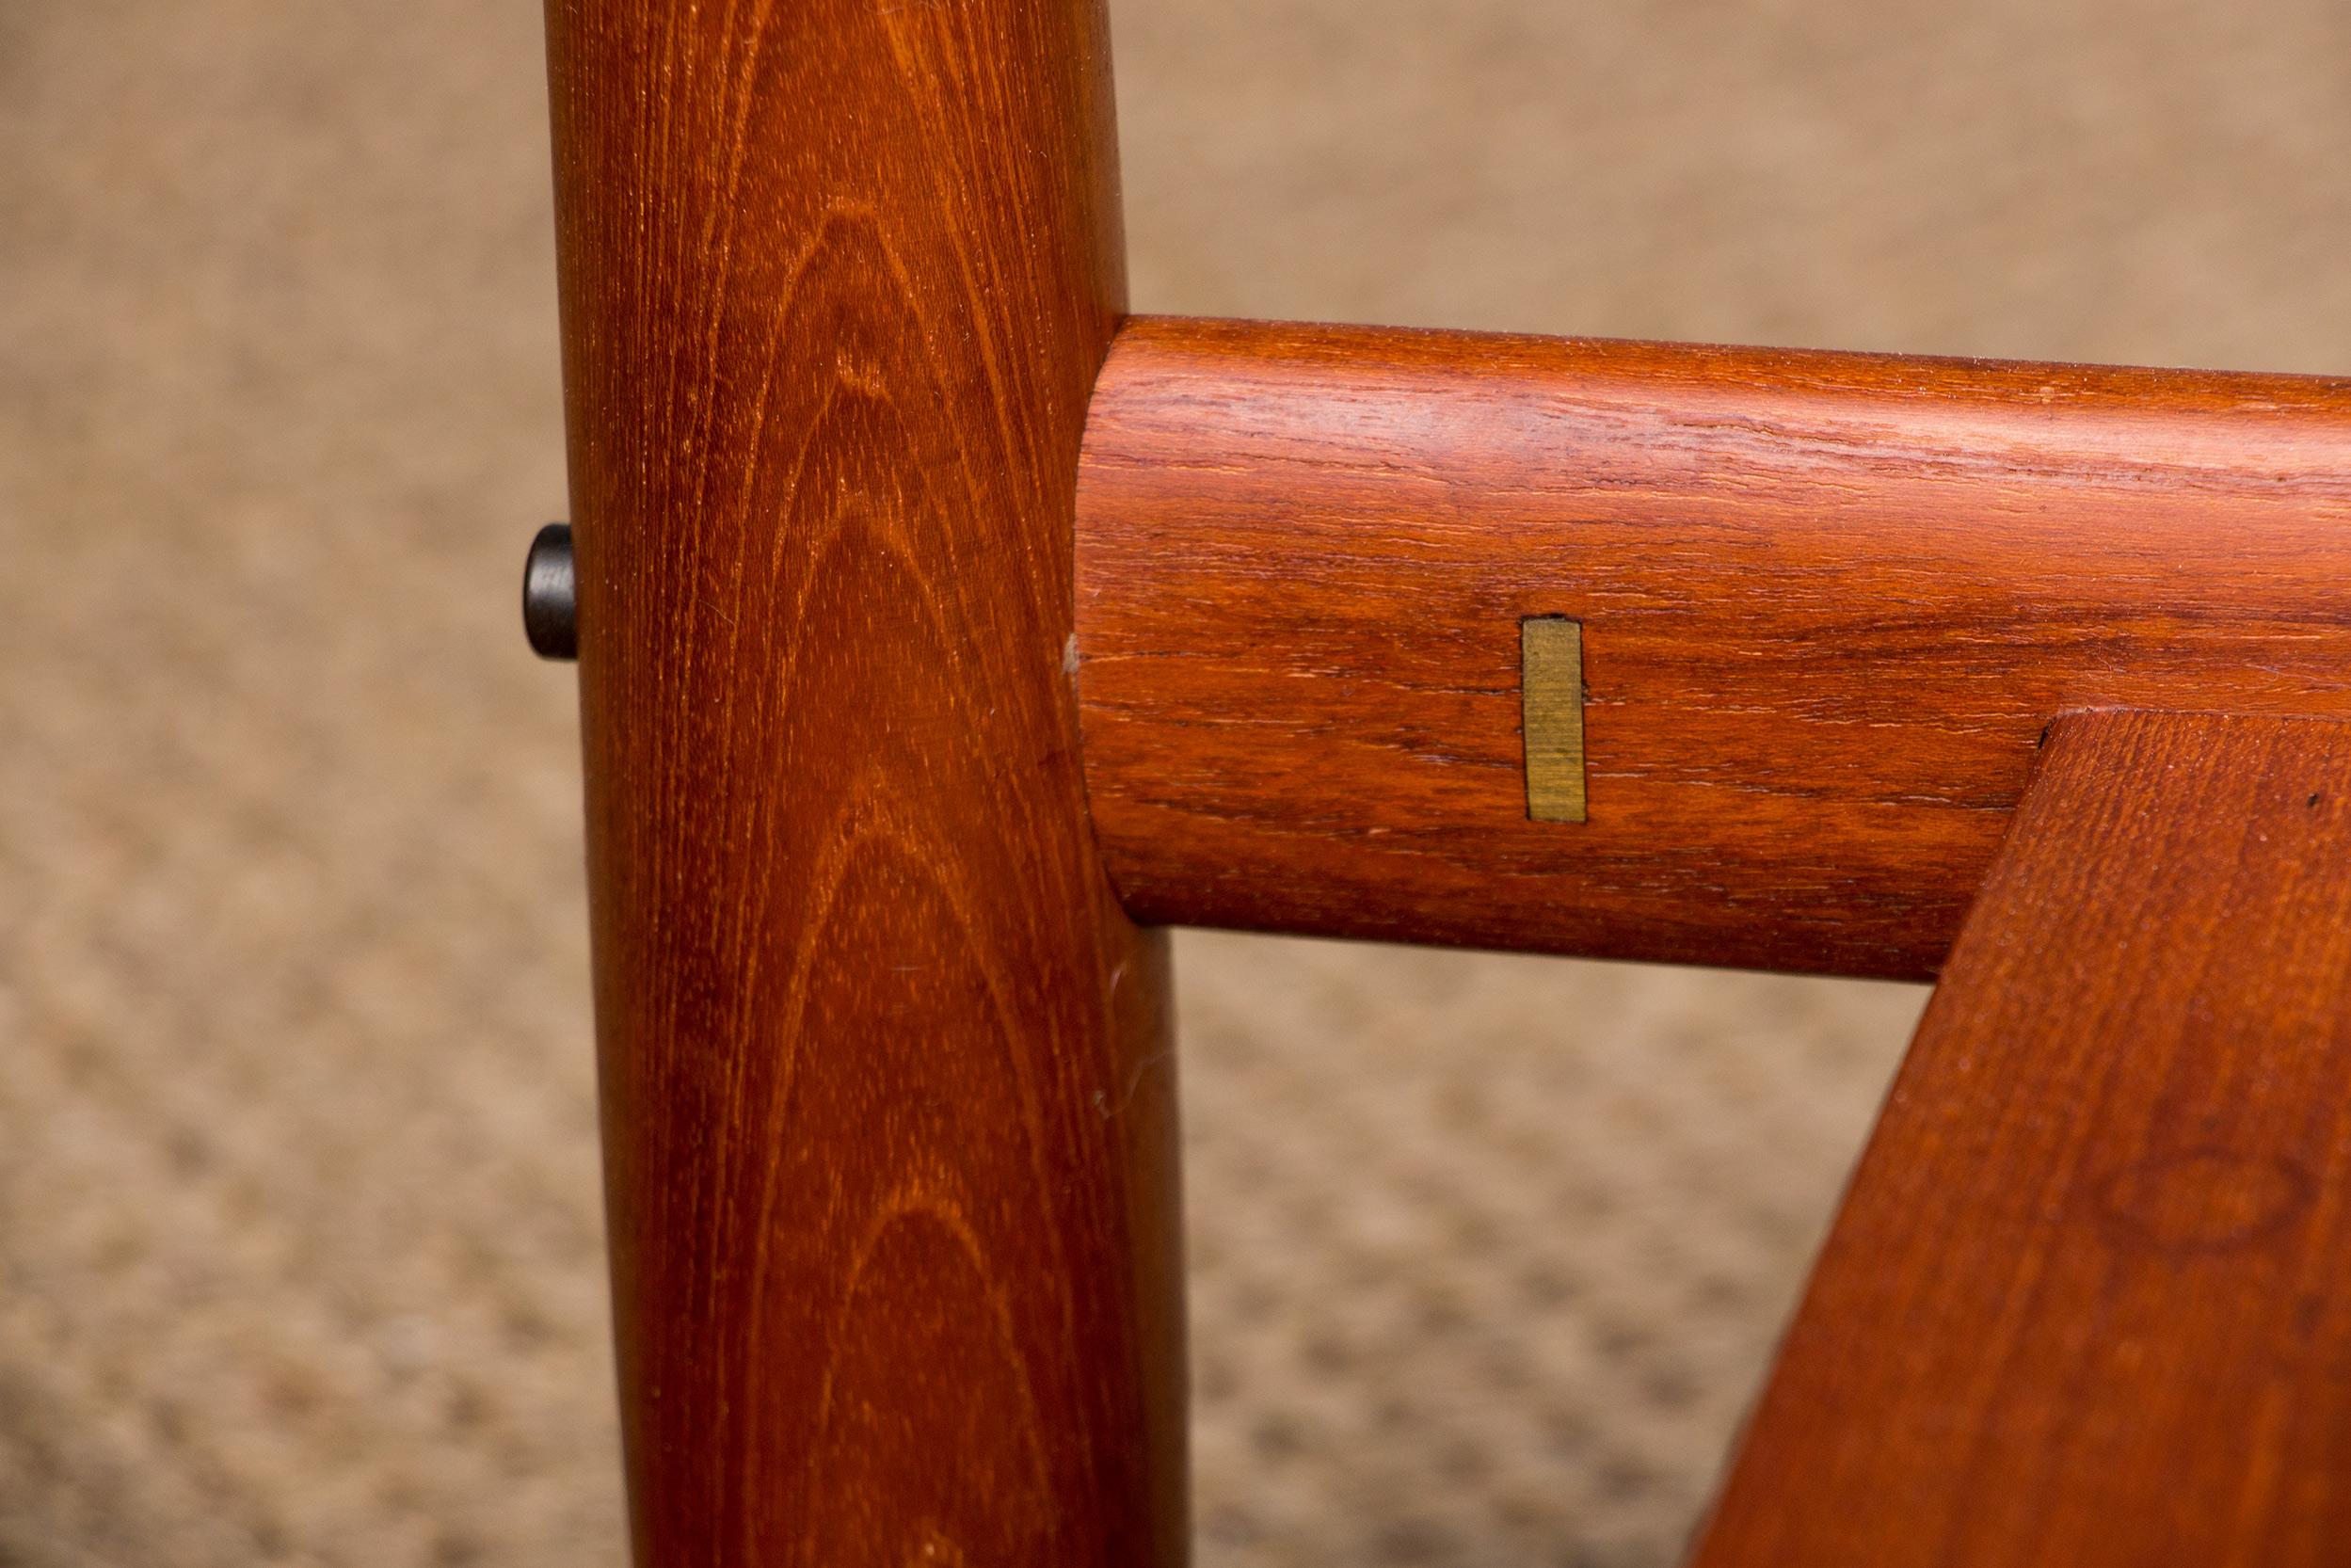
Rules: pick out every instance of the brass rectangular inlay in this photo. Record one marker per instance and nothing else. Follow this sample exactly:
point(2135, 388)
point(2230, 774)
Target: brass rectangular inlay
point(1551, 713)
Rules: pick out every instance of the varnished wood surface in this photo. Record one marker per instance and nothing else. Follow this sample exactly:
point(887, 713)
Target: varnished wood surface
point(887, 1090)
point(1829, 605)
point(2088, 1302)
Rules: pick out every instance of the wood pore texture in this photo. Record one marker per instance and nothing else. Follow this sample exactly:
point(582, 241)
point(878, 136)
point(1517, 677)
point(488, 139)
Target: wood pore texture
point(888, 1100)
point(2090, 1298)
point(1829, 602)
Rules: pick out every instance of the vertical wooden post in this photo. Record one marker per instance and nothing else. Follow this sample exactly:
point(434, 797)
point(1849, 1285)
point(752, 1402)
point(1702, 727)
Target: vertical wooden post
point(887, 1102)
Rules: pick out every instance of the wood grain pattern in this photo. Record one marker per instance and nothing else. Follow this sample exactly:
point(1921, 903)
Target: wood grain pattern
point(1829, 605)
point(2089, 1301)
point(886, 1092)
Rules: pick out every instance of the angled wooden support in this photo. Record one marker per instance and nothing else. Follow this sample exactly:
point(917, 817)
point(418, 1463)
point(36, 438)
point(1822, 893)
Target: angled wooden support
point(2088, 1302)
point(886, 1095)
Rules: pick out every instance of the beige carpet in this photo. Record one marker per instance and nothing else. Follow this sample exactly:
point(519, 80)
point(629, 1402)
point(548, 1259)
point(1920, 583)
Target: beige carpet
point(299, 1249)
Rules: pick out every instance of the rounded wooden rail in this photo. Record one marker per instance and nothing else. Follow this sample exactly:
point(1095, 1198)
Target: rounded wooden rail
point(1829, 603)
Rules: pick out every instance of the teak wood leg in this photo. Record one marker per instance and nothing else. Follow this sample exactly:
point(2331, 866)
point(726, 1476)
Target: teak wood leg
point(2089, 1298)
point(888, 1100)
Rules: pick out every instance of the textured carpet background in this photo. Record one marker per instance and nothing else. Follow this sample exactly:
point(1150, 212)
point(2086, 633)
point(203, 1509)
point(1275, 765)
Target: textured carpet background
point(299, 1249)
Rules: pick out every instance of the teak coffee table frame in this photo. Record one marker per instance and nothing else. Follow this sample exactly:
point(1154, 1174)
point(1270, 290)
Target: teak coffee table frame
point(943, 631)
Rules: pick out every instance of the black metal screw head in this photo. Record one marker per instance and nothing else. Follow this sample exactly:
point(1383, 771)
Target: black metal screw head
point(551, 594)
